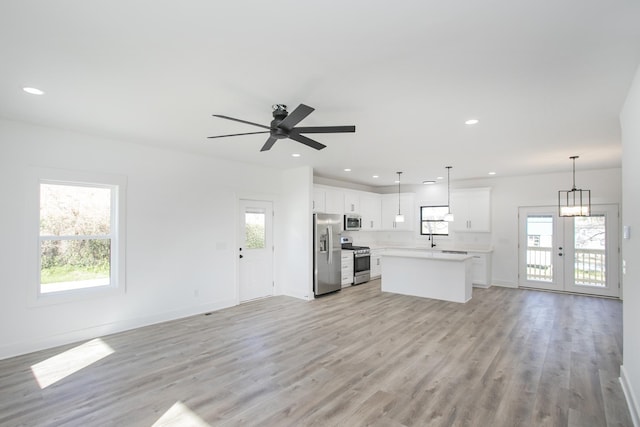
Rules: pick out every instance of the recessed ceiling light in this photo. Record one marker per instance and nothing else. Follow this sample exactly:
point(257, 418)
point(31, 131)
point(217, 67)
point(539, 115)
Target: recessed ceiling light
point(295, 155)
point(33, 90)
point(440, 177)
point(376, 176)
point(471, 122)
point(429, 182)
point(492, 173)
point(347, 170)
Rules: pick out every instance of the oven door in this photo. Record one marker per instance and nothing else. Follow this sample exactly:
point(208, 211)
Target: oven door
point(361, 268)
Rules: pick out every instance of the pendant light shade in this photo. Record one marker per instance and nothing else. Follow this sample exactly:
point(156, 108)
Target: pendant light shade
point(448, 216)
point(574, 202)
point(399, 217)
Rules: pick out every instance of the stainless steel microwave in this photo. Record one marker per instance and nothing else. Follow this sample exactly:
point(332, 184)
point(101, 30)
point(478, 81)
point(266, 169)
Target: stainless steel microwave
point(352, 222)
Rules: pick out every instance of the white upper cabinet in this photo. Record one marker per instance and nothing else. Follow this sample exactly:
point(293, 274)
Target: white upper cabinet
point(334, 201)
point(352, 202)
point(378, 211)
point(471, 209)
point(371, 211)
point(318, 200)
point(390, 210)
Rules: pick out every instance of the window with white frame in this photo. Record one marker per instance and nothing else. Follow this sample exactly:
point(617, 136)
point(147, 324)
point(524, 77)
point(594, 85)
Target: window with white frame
point(80, 235)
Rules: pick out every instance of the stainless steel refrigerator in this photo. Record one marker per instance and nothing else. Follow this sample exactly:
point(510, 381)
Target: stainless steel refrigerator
point(326, 253)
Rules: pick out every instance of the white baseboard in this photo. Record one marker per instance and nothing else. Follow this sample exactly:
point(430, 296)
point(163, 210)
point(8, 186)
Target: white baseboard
point(297, 294)
point(504, 284)
point(69, 337)
point(630, 396)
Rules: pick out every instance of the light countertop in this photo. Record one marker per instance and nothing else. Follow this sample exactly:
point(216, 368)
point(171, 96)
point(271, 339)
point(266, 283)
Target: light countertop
point(437, 249)
point(434, 255)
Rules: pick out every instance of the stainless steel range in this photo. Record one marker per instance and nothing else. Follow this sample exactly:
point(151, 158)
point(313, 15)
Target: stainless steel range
point(361, 260)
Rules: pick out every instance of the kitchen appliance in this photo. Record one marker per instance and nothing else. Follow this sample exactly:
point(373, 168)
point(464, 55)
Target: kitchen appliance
point(352, 222)
point(326, 253)
point(361, 260)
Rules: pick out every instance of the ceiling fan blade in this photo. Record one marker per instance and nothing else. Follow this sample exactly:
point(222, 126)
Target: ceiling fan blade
point(241, 121)
point(323, 129)
point(238, 134)
point(267, 145)
point(295, 117)
point(306, 141)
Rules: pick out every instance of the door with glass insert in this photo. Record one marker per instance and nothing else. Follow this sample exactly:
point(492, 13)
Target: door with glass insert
point(578, 254)
point(255, 251)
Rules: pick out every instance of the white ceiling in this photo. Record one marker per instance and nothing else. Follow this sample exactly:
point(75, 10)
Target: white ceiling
point(545, 78)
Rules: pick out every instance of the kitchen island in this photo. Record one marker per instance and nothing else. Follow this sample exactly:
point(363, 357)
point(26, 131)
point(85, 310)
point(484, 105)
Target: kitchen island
point(428, 274)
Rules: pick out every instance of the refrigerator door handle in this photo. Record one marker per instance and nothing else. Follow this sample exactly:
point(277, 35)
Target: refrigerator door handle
point(330, 248)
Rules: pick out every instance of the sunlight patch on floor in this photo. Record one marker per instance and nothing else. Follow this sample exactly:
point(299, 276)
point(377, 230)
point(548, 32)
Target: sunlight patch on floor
point(180, 415)
point(60, 366)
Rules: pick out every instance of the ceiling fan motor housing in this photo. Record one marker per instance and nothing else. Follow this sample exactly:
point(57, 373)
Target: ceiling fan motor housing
point(279, 114)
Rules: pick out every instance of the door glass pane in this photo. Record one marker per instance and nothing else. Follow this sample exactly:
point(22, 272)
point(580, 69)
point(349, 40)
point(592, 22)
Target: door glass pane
point(590, 240)
point(255, 229)
point(539, 248)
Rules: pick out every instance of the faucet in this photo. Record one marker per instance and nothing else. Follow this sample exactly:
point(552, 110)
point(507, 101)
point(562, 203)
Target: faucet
point(433, 242)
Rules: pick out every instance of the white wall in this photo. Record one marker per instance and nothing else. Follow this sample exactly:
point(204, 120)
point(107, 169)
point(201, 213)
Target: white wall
point(180, 247)
point(297, 233)
point(630, 371)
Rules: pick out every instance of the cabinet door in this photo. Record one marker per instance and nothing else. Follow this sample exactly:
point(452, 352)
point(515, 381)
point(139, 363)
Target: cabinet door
point(334, 201)
point(371, 212)
point(318, 200)
point(390, 210)
point(481, 269)
point(376, 264)
point(347, 268)
point(471, 209)
point(351, 202)
point(479, 210)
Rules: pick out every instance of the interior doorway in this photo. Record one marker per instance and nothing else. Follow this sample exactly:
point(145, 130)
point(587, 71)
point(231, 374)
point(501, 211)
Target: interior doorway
point(572, 254)
point(255, 251)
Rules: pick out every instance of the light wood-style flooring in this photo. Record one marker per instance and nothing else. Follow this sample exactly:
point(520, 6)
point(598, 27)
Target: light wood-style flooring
point(358, 357)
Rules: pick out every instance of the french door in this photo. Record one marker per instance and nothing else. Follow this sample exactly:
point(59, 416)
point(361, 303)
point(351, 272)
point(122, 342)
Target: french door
point(255, 250)
point(578, 254)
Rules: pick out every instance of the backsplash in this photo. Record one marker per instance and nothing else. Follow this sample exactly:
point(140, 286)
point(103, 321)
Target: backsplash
point(410, 238)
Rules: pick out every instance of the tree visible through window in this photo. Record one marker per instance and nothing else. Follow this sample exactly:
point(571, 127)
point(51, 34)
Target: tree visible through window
point(432, 220)
point(255, 229)
point(76, 236)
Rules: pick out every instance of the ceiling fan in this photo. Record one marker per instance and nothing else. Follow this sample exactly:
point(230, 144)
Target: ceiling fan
point(284, 124)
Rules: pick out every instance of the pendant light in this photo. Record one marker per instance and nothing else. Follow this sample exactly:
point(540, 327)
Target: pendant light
point(574, 202)
point(399, 217)
point(448, 216)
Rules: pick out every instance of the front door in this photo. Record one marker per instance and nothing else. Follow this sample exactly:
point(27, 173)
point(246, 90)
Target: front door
point(255, 250)
point(578, 254)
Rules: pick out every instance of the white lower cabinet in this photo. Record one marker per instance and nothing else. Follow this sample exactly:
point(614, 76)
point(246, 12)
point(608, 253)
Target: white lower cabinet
point(376, 263)
point(346, 260)
point(481, 269)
